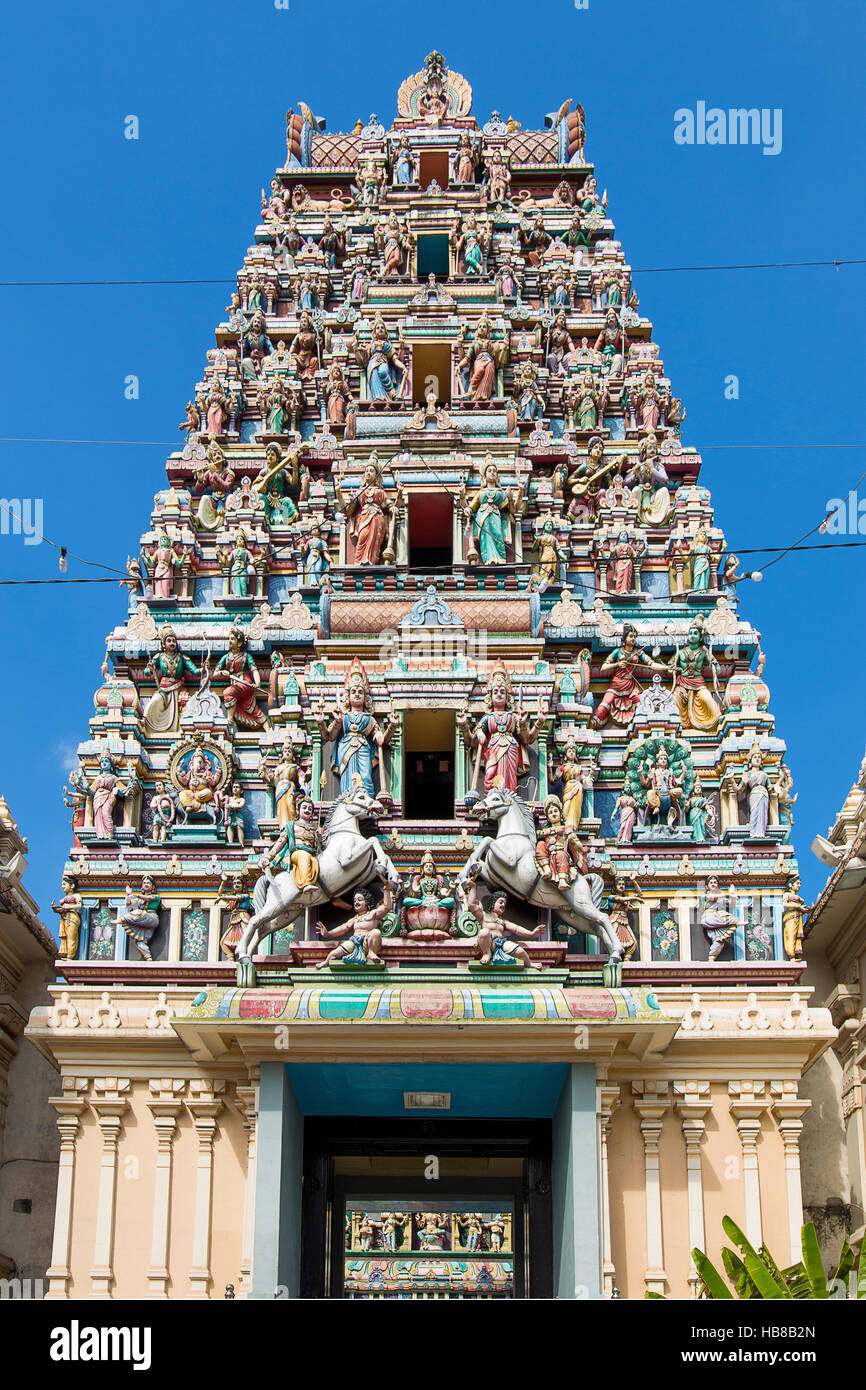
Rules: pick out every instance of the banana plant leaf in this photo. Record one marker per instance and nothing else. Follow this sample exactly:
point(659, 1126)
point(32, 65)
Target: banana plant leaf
point(813, 1263)
point(767, 1284)
point(733, 1232)
point(714, 1284)
point(743, 1284)
point(847, 1261)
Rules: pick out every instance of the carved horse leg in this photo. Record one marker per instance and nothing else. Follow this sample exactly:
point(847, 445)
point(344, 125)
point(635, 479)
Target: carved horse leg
point(590, 918)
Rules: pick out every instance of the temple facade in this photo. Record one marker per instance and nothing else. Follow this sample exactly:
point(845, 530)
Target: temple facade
point(431, 926)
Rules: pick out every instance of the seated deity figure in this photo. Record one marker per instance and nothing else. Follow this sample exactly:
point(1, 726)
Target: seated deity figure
point(428, 906)
point(362, 929)
point(296, 848)
point(558, 851)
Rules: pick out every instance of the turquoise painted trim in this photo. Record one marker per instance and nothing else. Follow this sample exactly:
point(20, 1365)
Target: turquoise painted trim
point(279, 1173)
point(576, 1206)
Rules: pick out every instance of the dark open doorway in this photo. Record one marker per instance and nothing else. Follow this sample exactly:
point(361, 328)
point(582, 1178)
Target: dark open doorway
point(429, 764)
point(431, 525)
point(433, 165)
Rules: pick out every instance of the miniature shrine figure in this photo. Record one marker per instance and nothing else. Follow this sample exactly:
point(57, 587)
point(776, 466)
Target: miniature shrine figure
point(507, 279)
point(625, 809)
point(558, 851)
point(370, 178)
point(192, 423)
point(528, 398)
point(534, 239)
point(623, 555)
point(495, 1228)
point(664, 789)
point(624, 898)
point(362, 929)
point(470, 242)
point(139, 915)
point(212, 483)
point(105, 790)
point(611, 344)
point(466, 159)
point(241, 672)
point(700, 814)
point(473, 1227)
point(559, 347)
point(366, 1232)
point(477, 367)
point(360, 277)
point(584, 480)
point(648, 480)
point(163, 812)
point(612, 290)
point(559, 289)
point(307, 293)
point(428, 906)
point(498, 940)
point(649, 401)
point(794, 913)
point(274, 208)
point(255, 294)
point(699, 555)
point(784, 787)
point(385, 371)
point(552, 557)
point(487, 516)
point(498, 179)
point(256, 345)
point(234, 899)
point(393, 1224)
point(370, 511)
point(218, 407)
point(589, 402)
point(620, 700)
point(404, 164)
point(697, 707)
point(431, 1229)
point(238, 563)
point(392, 242)
point(297, 846)
point(502, 735)
point(316, 557)
point(574, 777)
point(338, 397)
point(169, 669)
point(332, 242)
point(281, 472)
point(283, 777)
point(755, 781)
point(304, 348)
point(162, 564)
point(576, 237)
point(233, 814)
point(69, 910)
point(718, 922)
point(199, 784)
point(356, 731)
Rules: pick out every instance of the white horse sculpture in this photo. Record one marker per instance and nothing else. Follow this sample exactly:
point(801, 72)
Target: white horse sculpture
point(508, 862)
point(347, 861)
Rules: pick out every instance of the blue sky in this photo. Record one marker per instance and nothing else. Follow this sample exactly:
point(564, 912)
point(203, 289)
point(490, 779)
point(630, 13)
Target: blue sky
point(210, 84)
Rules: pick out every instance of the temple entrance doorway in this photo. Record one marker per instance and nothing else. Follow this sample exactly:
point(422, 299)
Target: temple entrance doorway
point(428, 783)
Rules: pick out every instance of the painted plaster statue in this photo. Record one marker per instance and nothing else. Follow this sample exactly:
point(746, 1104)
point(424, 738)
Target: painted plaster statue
point(552, 557)
point(199, 783)
point(304, 348)
point(239, 566)
point(283, 777)
point(794, 912)
point(625, 810)
point(623, 556)
point(470, 244)
point(233, 803)
point(487, 514)
point(392, 242)
point(212, 483)
point(362, 929)
point(467, 159)
point(472, 1227)
point(105, 790)
point(428, 906)
point(700, 814)
point(558, 851)
point(498, 179)
point(393, 1225)
point(234, 899)
point(332, 242)
point(431, 1229)
point(560, 346)
point(755, 782)
point(577, 237)
point(697, 707)
point(620, 700)
point(648, 401)
point(338, 396)
point(664, 789)
point(316, 556)
point(244, 681)
point(360, 277)
point(534, 239)
point(163, 812)
point(624, 899)
point(404, 164)
point(716, 919)
point(372, 516)
point(573, 776)
point(163, 564)
point(192, 423)
point(297, 846)
point(590, 402)
point(528, 397)
point(357, 735)
point(218, 405)
point(498, 940)
point(139, 915)
point(385, 371)
point(648, 480)
point(699, 555)
point(507, 279)
point(169, 669)
point(69, 911)
point(477, 367)
point(502, 735)
point(255, 344)
point(280, 474)
point(611, 344)
point(583, 481)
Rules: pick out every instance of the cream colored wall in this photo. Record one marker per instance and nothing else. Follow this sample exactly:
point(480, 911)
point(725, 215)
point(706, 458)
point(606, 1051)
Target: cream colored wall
point(627, 1205)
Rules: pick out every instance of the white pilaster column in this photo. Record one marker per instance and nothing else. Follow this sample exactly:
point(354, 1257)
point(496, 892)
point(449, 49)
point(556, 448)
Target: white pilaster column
point(109, 1102)
point(204, 1107)
point(789, 1109)
point(248, 1104)
point(608, 1098)
point(692, 1103)
point(69, 1106)
point(651, 1100)
point(748, 1104)
point(165, 1105)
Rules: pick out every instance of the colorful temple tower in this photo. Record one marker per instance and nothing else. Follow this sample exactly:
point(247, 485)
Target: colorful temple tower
point(432, 838)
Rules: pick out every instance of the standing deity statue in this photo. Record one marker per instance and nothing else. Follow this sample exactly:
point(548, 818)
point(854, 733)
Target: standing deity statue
point(697, 707)
point(794, 912)
point(283, 777)
point(552, 557)
point(623, 555)
point(169, 669)
point(238, 668)
point(534, 239)
point(163, 811)
point(234, 899)
point(233, 803)
point(699, 813)
point(502, 735)
point(316, 556)
point(357, 735)
point(756, 783)
point(162, 565)
point(372, 517)
point(620, 700)
point(404, 164)
point(487, 515)
point(477, 367)
point(385, 370)
point(392, 242)
point(576, 779)
point(625, 898)
point(105, 790)
point(625, 809)
point(304, 348)
point(69, 910)
point(466, 159)
point(611, 344)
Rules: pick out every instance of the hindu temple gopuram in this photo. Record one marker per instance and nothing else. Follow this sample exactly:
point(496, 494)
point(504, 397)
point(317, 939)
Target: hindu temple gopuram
point(430, 926)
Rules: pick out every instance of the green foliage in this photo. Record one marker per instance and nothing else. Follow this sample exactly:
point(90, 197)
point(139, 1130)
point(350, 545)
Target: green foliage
point(755, 1274)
